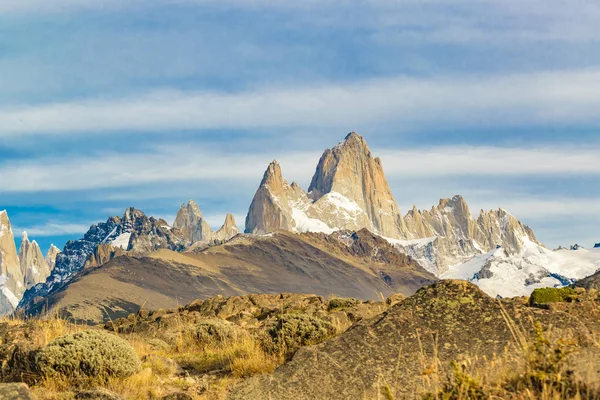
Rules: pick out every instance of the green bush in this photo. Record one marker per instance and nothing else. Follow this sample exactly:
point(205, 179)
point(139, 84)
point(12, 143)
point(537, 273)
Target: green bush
point(552, 295)
point(293, 331)
point(338, 304)
point(215, 331)
point(88, 354)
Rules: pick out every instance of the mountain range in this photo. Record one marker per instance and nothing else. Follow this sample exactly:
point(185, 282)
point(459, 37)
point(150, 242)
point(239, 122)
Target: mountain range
point(294, 240)
point(23, 270)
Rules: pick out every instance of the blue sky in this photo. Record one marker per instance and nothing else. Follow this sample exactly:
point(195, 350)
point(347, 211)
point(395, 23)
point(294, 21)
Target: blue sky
point(111, 104)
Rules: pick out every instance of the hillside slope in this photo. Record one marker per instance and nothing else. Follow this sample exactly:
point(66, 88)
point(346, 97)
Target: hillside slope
point(346, 264)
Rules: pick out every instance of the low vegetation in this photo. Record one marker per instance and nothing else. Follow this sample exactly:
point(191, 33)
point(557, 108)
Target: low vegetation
point(544, 296)
point(202, 351)
point(87, 354)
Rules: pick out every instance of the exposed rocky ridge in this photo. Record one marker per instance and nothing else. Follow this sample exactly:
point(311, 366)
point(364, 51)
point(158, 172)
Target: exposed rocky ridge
point(134, 232)
point(34, 267)
point(444, 321)
point(591, 282)
point(456, 236)
point(359, 265)
point(102, 254)
point(196, 230)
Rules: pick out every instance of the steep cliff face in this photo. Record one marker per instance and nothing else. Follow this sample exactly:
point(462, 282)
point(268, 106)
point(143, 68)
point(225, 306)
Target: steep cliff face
point(350, 170)
point(271, 208)
point(11, 278)
point(34, 267)
point(191, 224)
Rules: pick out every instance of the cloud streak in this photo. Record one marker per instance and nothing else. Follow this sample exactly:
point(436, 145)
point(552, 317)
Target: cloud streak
point(192, 163)
point(552, 97)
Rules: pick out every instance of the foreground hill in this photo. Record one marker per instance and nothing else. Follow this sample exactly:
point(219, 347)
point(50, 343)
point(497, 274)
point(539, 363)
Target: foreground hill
point(448, 341)
point(393, 354)
point(359, 265)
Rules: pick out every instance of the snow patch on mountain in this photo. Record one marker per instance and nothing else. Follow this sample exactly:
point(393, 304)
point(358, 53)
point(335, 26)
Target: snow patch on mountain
point(423, 251)
point(122, 241)
point(518, 274)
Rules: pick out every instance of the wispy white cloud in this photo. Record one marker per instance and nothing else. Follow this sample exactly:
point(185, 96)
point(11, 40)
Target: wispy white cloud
point(551, 97)
point(192, 163)
point(53, 229)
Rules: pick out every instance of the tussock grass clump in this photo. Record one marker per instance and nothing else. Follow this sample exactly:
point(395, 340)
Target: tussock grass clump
point(88, 354)
point(541, 297)
point(293, 331)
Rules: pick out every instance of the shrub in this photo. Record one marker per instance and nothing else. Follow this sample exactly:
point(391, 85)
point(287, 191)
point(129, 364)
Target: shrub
point(88, 354)
point(544, 296)
point(215, 332)
point(338, 304)
point(293, 331)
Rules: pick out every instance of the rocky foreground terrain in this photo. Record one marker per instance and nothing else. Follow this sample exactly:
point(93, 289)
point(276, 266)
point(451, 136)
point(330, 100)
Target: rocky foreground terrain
point(448, 341)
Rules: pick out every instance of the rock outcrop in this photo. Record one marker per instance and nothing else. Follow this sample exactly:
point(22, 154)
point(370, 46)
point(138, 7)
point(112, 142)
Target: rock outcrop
point(102, 254)
point(11, 278)
point(51, 255)
point(34, 267)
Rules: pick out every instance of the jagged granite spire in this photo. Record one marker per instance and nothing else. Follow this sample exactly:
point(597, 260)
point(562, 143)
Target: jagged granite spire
point(191, 224)
point(11, 278)
point(51, 255)
point(228, 230)
point(351, 170)
point(270, 209)
point(34, 267)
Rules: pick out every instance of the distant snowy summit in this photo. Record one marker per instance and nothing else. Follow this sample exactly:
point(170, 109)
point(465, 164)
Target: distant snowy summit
point(349, 191)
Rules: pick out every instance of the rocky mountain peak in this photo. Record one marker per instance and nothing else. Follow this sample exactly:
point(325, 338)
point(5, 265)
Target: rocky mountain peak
point(33, 265)
point(51, 255)
point(273, 178)
point(228, 230)
point(191, 224)
point(350, 170)
point(133, 214)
